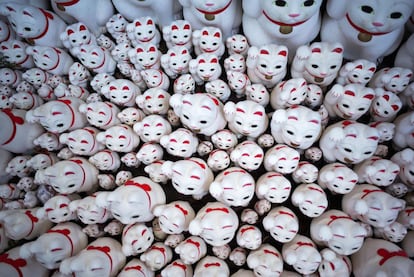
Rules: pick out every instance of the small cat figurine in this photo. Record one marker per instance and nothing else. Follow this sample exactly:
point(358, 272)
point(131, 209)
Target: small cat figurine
point(208, 40)
point(143, 30)
point(178, 33)
point(318, 63)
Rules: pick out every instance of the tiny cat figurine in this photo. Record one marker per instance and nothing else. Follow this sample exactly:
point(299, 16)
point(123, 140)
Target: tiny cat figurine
point(145, 56)
point(75, 35)
point(358, 71)
point(366, 30)
point(205, 68)
point(14, 51)
point(176, 61)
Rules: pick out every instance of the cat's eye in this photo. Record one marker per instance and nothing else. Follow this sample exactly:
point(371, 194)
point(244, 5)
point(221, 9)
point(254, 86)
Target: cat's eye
point(348, 150)
point(27, 29)
point(396, 15)
point(367, 9)
point(280, 3)
point(315, 66)
point(333, 66)
point(308, 3)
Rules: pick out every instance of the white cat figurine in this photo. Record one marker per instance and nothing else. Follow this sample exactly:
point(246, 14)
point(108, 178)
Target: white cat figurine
point(366, 30)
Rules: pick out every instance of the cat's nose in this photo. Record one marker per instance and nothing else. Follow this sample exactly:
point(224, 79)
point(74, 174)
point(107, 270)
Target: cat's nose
point(377, 24)
point(294, 15)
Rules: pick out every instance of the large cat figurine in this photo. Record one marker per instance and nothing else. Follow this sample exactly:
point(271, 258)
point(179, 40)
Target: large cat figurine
point(290, 23)
point(367, 29)
point(224, 14)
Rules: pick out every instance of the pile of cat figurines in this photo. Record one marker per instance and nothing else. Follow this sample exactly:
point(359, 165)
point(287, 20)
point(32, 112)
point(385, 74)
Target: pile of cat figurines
point(207, 138)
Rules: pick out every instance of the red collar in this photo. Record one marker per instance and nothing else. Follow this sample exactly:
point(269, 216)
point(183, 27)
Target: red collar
point(103, 249)
point(216, 11)
point(145, 187)
point(25, 60)
point(8, 34)
point(359, 29)
point(33, 220)
point(67, 102)
point(111, 117)
point(47, 17)
point(368, 191)
point(281, 23)
point(16, 264)
point(135, 267)
point(334, 217)
point(68, 3)
point(14, 120)
point(385, 254)
point(103, 62)
point(66, 233)
point(79, 163)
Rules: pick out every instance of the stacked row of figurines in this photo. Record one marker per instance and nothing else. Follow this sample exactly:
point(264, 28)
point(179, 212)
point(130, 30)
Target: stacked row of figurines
point(154, 137)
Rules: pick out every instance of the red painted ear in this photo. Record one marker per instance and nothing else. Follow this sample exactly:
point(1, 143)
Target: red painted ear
point(184, 51)
point(152, 49)
point(369, 96)
point(201, 61)
point(137, 24)
point(150, 22)
point(409, 75)
point(187, 27)
point(205, 33)
point(264, 52)
point(95, 53)
point(283, 53)
point(372, 69)
point(82, 28)
point(386, 97)
point(351, 93)
point(358, 66)
point(217, 34)
point(316, 50)
point(70, 31)
point(174, 27)
point(214, 60)
point(172, 54)
point(395, 107)
point(140, 50)
point(338, 50)
point(4, 47)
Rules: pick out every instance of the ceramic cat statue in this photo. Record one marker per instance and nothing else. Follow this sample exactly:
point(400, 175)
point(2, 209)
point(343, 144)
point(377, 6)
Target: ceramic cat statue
point(311, 199)
point(75, 35)
point(282, 224)
point(302, 254)
point(216, 223)
point(36, 25)
point(208, 40)
point(163, 12)
point(190, 176)
point(223, 14)
point(157, 256)
point(394, 79)
point(367, 31)
point(265, 261)
point(297, 126)
point(136, 238)
point(12, 264)
point(53, 60)
point(205, 68)
point(348, 102)
point(18, 134)
point(273, 186)
point(60, 242)
point(143, 56)
point(233, 187)
point(318, 63)
point(382, 258)
point(175, 216)
point(143, 30)
point(377, 171)
point(358, 71)
point(246, 118)
point(372, 205)
point(121, 92)
point(95, 58)
point(94, 16)
point(248, 155)
point(337, 177)
point(102, 256)
point(100, 114)
point(56, 208)
point(267, 64)
point(14, 51)
point(289, 23)
point(178, 33)
point(349, 142)
point(137, 192)
point(191, 250)
point(338, 231)
point(212, 120)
